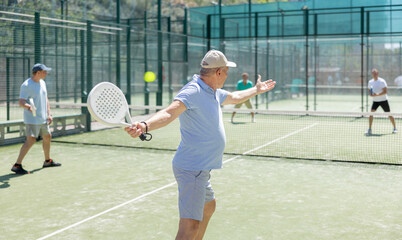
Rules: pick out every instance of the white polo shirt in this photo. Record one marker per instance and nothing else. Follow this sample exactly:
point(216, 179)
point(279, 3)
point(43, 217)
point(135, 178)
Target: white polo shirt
point(377, 86)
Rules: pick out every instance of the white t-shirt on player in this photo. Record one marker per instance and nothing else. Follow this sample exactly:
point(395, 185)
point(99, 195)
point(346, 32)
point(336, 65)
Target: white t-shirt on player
point(377, 86)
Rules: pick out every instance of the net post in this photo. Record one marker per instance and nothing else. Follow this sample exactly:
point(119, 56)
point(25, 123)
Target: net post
point(118, 65)
point(8, 88)
point(56, 39)
point(267, 60)
point(160, 59)
point(37, 38)
point(362, 56)
point(75, 64)
point(368, 53)
point(128, 65)
point(256, 54)
point(208, 32)
point(315, 59)
point(221, 28)
point(185, 52)
point(146, 89)
point(63, 61)
point(23, 50)
point(89, 68)
point(306, 33)
point(44, 44)
point(82, 68)
point(169, 56)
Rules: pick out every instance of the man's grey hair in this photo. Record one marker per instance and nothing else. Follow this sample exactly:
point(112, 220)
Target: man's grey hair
point(208, 71)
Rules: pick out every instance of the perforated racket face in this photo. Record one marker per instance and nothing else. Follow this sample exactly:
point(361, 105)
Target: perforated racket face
point(107, 104)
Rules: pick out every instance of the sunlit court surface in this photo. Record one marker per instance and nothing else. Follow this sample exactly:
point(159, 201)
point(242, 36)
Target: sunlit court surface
point(113, 187)
point(302, 161)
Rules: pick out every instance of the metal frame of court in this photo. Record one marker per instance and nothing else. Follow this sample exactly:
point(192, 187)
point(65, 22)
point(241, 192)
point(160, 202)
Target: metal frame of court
point(134, 46)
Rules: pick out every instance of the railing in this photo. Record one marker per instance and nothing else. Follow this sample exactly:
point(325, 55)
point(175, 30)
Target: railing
point(12, 132)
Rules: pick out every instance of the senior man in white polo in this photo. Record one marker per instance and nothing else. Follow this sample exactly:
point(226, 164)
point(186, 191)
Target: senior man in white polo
point(198, 106)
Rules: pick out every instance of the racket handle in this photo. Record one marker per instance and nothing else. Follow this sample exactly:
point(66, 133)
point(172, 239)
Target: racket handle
point(33, 108)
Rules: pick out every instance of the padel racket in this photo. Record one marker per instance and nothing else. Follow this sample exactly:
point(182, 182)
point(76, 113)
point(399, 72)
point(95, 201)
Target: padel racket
point(107, 105)
point(33, 108)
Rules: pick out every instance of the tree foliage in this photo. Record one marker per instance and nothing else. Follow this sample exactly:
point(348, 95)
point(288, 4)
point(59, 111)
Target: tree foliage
point(106, 9)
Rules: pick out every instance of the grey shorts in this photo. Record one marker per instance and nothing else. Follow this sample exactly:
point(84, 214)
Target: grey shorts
point(195, 190)
point(36, 130)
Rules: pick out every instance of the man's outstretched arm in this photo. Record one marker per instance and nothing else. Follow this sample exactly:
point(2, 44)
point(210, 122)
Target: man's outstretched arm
point(241, 96)
point(158, 120)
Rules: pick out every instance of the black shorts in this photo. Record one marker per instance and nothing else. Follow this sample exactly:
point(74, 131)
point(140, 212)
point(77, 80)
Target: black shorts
point(384, 105)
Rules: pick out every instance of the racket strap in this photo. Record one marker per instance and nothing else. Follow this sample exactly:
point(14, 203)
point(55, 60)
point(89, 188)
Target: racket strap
point(146, 136)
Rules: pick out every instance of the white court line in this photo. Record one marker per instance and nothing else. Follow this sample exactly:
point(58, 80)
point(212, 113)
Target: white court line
point(278, 139)
point(106, 211)
point(168, 185)
point(273, 141)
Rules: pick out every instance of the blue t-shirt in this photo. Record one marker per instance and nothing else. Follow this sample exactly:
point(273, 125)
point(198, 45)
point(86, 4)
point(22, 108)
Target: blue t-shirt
point(241, 86)
point(202, 133)
point(37, 91)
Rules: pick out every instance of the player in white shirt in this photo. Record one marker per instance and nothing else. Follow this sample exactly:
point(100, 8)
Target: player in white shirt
point(377, 88)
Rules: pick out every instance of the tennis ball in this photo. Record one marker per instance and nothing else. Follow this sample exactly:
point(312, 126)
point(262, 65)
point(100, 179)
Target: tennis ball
point(149, 77)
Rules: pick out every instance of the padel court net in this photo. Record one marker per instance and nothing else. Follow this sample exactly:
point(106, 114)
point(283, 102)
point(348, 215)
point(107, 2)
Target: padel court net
point(281, 134)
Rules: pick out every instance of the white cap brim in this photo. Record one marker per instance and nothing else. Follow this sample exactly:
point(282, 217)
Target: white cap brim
point(231, 64)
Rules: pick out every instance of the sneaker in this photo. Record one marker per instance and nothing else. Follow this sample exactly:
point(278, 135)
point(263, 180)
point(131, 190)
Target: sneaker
point(51, 163)
point(253, 120)
point(368, 131)
point(395, 130)
point(18, 169)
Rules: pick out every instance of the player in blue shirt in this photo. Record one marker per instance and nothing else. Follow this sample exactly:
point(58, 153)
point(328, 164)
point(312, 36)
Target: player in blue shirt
point(34, 89)
point(198, 106)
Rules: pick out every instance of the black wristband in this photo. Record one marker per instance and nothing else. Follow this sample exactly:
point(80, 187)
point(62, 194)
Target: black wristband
point(145, 136)
point(146, 126)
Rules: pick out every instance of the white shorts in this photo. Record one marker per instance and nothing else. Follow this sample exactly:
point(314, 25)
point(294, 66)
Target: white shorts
point(36, 130)
point(195, 190)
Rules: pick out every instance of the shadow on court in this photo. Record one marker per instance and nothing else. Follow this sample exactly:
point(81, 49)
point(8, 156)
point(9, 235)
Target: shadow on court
point(238, 123)
point(4, 180)
point(377, 134)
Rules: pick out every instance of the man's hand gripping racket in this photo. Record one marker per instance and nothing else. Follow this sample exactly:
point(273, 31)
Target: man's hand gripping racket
point(107, 105)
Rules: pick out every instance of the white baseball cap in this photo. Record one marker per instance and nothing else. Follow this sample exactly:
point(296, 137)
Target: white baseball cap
point(216, 59)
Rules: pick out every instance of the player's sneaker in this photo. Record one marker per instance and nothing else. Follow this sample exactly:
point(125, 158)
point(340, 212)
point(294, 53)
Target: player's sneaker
point(395, 130)
point(253, 120)
point(368, 131)
point(18, 169)
point(51, 163)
